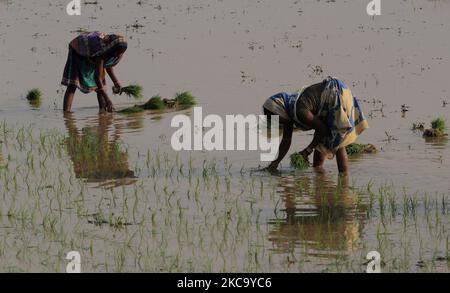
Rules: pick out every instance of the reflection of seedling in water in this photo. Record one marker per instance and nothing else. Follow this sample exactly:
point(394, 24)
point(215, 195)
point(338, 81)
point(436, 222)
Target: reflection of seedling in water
point(438, 128)
point(34, 95)
point(35, 104)
point(133, 90)
point(132, 110)
point(299, 162)
point(356, 149)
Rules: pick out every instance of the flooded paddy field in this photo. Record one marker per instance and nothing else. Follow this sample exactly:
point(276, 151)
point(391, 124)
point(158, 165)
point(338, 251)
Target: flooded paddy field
point(111, 187)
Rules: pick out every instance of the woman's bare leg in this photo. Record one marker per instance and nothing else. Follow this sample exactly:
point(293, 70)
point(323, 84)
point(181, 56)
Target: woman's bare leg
point(101, 102)
point(318, 160)
point(68, 98)
point(342, 160)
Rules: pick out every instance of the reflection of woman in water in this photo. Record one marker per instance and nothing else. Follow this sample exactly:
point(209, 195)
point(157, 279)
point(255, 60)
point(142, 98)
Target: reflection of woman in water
point(91, 56)
point(322, 217)
point(95, 157)
point(327, 107)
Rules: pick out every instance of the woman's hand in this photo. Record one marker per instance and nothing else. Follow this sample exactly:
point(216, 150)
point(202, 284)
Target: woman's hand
point(117, 89)
point(306, 153)
point(273, 166)
point(109, 105)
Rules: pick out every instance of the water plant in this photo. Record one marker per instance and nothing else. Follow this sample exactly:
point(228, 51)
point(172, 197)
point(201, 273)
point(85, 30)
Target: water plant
point(185, 99)
point(356, 149)
point(134, 90)
point(439, 124)
point(155, 103)
point(34, 95)
point(299, 162)
point(438, 128)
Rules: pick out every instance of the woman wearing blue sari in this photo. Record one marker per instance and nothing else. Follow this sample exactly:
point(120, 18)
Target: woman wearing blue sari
point(330, 109)
point(91, 56)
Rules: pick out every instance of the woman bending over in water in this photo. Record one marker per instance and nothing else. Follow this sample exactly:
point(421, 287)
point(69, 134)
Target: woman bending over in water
point(327, 107)
point(91, 56)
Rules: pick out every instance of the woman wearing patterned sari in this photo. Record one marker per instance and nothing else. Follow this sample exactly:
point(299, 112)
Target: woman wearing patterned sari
point(327, 107)
point(91, 56)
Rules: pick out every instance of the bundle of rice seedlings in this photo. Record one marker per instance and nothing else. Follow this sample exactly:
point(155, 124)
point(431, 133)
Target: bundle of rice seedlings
point(155, 103)
point(438, 128)
point(439, 124)
point(34, 95)
point(132, 110)
point(133, 90)
point(356, 149)
point(185, 99)
point(299, 162)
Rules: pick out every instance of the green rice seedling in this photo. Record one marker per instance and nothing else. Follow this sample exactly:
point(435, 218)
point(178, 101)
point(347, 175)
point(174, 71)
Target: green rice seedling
point(132, 110)
point(34, 95)
point(299, 162)
point(439, 124)
point(133, 90)
point(185, 99)
point(356, 149)
point(155, 103)
point(438, 128)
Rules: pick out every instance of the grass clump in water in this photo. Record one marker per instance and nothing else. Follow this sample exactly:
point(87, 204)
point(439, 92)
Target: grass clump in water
point(185, 99)
point(439, 124)
point(34, 95)
point(155, 103)
point(299, 162)
point(356, 149)
point(133, 90)
point(438, 128)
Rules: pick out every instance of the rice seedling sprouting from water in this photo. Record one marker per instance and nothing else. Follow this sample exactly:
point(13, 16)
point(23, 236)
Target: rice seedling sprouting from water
point(356, 149)
point(185, 99)
point(34, 95)
point(438, 128)
point(299, 162)
point(155, 103)
point(439, 124)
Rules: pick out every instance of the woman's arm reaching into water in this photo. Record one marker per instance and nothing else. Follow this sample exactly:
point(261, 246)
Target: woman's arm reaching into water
point(99, 77)
point(320, 128)
point(117, 86)
point(285, 144)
